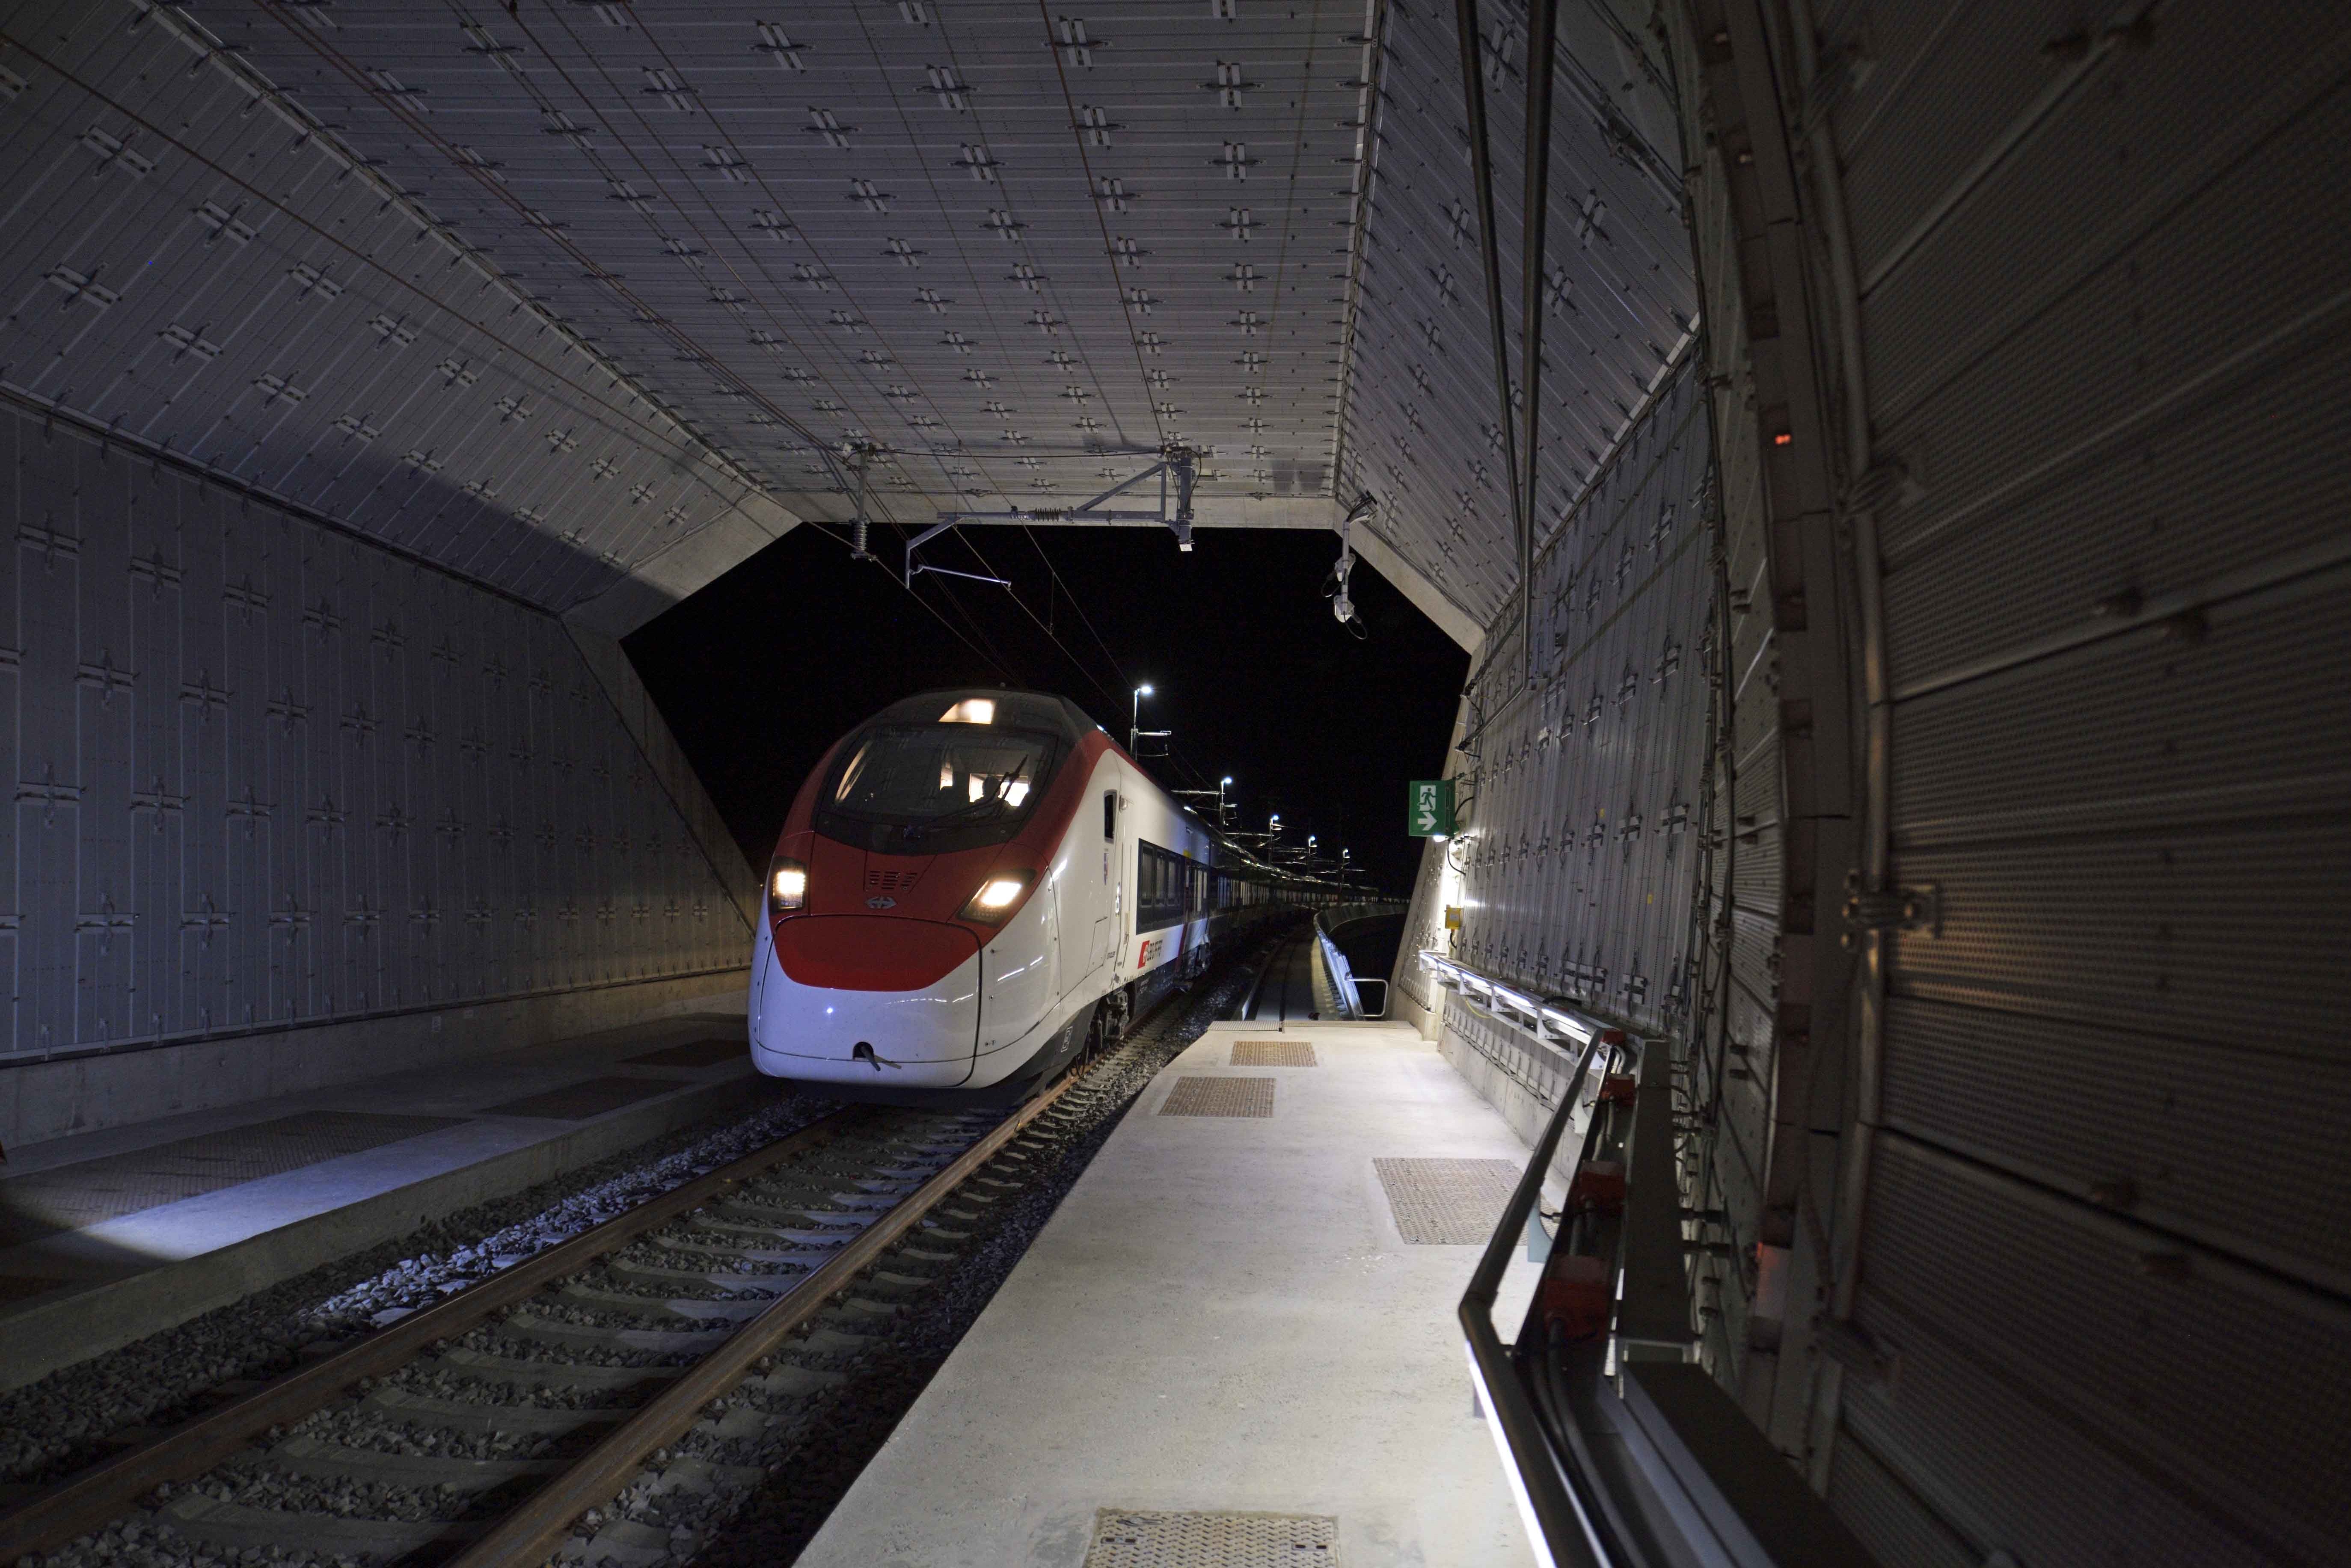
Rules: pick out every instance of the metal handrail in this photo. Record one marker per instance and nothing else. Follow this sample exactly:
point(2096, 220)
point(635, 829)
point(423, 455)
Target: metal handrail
point(1543, 1019)
point(1569, 1516)
point(1561, 1530)
point(1620, 1453)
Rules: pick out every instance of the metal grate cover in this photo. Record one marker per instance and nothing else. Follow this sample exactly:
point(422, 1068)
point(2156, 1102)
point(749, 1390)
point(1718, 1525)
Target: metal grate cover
point(1447, 1203)
point(1140, 1537)
point(589, 1097)
point(70, 1197)
point(1273, 1053)
point(693, 1053)
point(1220, 1097)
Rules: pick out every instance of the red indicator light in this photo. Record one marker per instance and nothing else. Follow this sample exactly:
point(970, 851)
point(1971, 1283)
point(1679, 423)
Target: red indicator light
point(1783, 439)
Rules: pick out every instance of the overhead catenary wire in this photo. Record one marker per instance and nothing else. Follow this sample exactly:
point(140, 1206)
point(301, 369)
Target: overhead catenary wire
point(990, 653)
point(1079, 605)
point(1075, 663)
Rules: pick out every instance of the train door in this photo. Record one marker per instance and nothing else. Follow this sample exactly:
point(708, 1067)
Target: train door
point(1083, 886)
point(1107, 941)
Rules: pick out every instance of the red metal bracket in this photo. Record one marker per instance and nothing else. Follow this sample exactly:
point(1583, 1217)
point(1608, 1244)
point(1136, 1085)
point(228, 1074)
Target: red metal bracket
point(1576, 1295)
point(1598, 1187)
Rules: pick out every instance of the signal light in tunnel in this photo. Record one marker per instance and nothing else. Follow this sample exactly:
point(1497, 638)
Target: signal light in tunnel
point(1783, 439)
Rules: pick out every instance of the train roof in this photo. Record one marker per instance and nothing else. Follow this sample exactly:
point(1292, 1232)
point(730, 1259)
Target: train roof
point(1018, 709)
point(1052, 712)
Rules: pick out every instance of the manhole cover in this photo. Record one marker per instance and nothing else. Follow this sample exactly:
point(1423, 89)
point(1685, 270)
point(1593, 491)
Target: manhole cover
point(1272, 1053)
point(1135, 1538)
point(1448, 1203)
point(1220, 1097)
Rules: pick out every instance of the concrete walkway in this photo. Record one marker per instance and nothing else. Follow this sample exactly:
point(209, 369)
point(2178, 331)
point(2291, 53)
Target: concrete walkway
point(109, 1235)
point(1223, 1316)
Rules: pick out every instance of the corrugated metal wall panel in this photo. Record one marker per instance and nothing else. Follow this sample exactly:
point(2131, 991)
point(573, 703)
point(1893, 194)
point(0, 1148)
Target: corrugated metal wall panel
point(2100, 1115)
point(2242, 713)
point(195, 267)
point(2157, 123)
point(2096, 495)
point(1577, 875)
point(1943, 86)
point(1422, 412)
point(2119, 445)
point(1891, 1520)
point(1984, 1452)
point(2170, 932)
point(269, 774)
point(2143, 1347)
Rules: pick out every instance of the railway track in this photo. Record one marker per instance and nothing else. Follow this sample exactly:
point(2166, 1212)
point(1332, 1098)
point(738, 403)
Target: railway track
point(572, 1403)
point(1283, 989)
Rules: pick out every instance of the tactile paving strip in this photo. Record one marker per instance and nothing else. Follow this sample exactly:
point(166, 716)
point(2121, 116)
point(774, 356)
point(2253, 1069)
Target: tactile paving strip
point(1139, 1538)
point(1448, 1203)
point(1273, 1053)
point(693, 1053)
point(1220, 1097)
point(589, 1097)
point(69, 1197)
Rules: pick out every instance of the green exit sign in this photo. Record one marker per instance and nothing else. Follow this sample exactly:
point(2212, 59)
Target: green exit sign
point(1429, 812)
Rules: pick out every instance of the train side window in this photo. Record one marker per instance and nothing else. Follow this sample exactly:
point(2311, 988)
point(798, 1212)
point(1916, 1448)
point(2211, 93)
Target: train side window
point(1110, 815)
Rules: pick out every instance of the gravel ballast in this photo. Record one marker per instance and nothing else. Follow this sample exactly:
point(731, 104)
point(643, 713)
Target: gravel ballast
point(53, 1427)
point(450, 1441)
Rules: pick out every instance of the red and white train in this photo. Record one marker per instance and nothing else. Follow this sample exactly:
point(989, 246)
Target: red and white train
point(971, 886)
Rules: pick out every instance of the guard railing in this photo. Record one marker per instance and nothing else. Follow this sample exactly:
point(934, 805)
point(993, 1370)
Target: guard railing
point(1346, 985)
point(1622, 1451)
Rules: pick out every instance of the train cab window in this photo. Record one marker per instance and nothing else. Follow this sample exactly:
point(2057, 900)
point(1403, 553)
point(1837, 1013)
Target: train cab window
point(929, 789)
point(1110, 815)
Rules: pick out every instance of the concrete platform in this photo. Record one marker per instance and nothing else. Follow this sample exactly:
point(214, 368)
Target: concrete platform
point(1223, 1316)
point(109, 1236)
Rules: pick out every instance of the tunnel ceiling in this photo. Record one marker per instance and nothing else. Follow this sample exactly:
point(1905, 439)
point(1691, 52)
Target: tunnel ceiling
point(572, 298)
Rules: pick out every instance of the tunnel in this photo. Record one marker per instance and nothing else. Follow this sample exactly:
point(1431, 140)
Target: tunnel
point(1180, 781)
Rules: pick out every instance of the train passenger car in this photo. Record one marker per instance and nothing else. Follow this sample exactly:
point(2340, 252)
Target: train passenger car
point(970, 887)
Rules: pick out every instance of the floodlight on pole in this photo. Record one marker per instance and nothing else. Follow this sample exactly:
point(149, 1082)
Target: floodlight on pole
point(1134, 716)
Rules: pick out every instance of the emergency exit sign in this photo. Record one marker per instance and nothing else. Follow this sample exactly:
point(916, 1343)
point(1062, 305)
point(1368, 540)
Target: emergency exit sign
point(1429, 811)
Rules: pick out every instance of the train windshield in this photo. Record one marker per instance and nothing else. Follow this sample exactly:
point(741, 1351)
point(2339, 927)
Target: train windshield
point(931, 788)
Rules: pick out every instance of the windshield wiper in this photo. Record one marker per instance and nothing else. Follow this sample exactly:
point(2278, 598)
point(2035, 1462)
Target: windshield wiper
point(977, 811)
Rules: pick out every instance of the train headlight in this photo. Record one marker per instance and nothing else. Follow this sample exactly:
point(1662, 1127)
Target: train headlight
point(787, 882)
point(996, 896)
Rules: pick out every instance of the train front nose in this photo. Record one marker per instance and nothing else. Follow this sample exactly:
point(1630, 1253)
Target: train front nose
point(868, 999)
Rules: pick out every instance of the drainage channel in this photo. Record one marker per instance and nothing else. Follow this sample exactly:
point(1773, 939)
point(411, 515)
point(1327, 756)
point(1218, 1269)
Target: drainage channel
point(622, 1397)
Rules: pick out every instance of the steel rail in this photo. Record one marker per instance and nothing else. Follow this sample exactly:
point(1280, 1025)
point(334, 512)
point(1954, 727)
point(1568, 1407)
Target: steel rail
point(530, 1534)
point(90, 1499)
